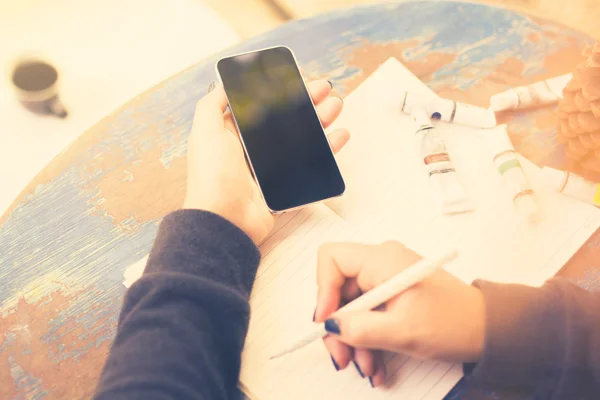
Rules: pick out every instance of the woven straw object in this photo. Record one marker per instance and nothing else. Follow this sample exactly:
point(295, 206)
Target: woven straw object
point(579, 114)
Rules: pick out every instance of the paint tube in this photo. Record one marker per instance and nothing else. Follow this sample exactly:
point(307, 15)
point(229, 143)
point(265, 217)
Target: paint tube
point(572, 185)
point(538, 94)
point(449, 111)
point(442, 175)
point(513, 176)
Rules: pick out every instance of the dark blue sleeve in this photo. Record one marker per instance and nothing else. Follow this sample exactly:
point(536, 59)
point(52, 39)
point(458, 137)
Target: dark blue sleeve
point(544, 341)
point(183, 324)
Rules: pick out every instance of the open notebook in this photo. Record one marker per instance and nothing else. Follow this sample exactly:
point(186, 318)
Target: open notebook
point(387, 198)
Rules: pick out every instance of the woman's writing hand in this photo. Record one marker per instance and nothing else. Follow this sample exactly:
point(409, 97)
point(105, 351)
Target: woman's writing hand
point(440, 318)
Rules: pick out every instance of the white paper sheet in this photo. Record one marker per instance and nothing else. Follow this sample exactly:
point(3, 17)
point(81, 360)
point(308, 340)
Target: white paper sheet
point(388, 191)
point(282, 304)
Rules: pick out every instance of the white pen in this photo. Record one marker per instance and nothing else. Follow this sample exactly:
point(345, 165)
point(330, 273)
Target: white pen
point(377, 296)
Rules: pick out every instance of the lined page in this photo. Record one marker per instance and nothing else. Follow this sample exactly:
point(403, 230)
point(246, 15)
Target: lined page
point(282, 304)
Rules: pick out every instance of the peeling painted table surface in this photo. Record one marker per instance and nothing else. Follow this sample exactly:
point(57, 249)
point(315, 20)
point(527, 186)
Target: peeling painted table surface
point(66, 241)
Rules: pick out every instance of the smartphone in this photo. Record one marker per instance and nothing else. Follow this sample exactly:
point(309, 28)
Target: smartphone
point(284, 140)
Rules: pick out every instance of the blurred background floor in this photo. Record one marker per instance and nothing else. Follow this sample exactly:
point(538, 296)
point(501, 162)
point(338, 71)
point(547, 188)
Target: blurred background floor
point(109, 51)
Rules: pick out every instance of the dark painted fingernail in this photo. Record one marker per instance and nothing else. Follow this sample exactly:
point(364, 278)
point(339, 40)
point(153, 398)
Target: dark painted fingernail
point(211, 87)
point(337, 367)
point(436, 116)
point(330, 84)
point(314, 315)
point(371, 382)
point(358, 369)
point(332, 326)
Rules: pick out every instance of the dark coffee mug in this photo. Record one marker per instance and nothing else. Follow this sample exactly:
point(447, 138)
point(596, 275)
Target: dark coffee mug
point(36, 85)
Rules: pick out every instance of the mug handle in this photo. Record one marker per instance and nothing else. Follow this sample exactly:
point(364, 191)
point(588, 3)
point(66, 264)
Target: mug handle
point(55, 107)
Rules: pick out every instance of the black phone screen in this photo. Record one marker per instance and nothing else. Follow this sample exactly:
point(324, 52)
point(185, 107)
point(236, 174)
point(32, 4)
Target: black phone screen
point(283, 137)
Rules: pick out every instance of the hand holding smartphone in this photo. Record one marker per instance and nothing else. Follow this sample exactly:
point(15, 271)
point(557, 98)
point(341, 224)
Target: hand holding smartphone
point(281, 133)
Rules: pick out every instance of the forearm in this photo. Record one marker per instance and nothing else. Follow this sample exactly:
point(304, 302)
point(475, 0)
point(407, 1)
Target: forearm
point(182, 327)
point(545, 340)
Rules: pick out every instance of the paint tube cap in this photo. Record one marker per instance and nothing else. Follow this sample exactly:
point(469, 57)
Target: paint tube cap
point(528, 209)
point(508, 100)
point(553, 178)
point(558, 84)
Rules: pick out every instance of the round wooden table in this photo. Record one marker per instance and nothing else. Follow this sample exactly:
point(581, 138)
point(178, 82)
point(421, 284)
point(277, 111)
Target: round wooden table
point(93, 211)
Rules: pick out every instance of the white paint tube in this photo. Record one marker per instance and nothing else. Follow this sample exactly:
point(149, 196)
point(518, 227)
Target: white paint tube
point(449, 111)
point(572, 185)
point(442, 175)
point(538, 94)
point(513, 176)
